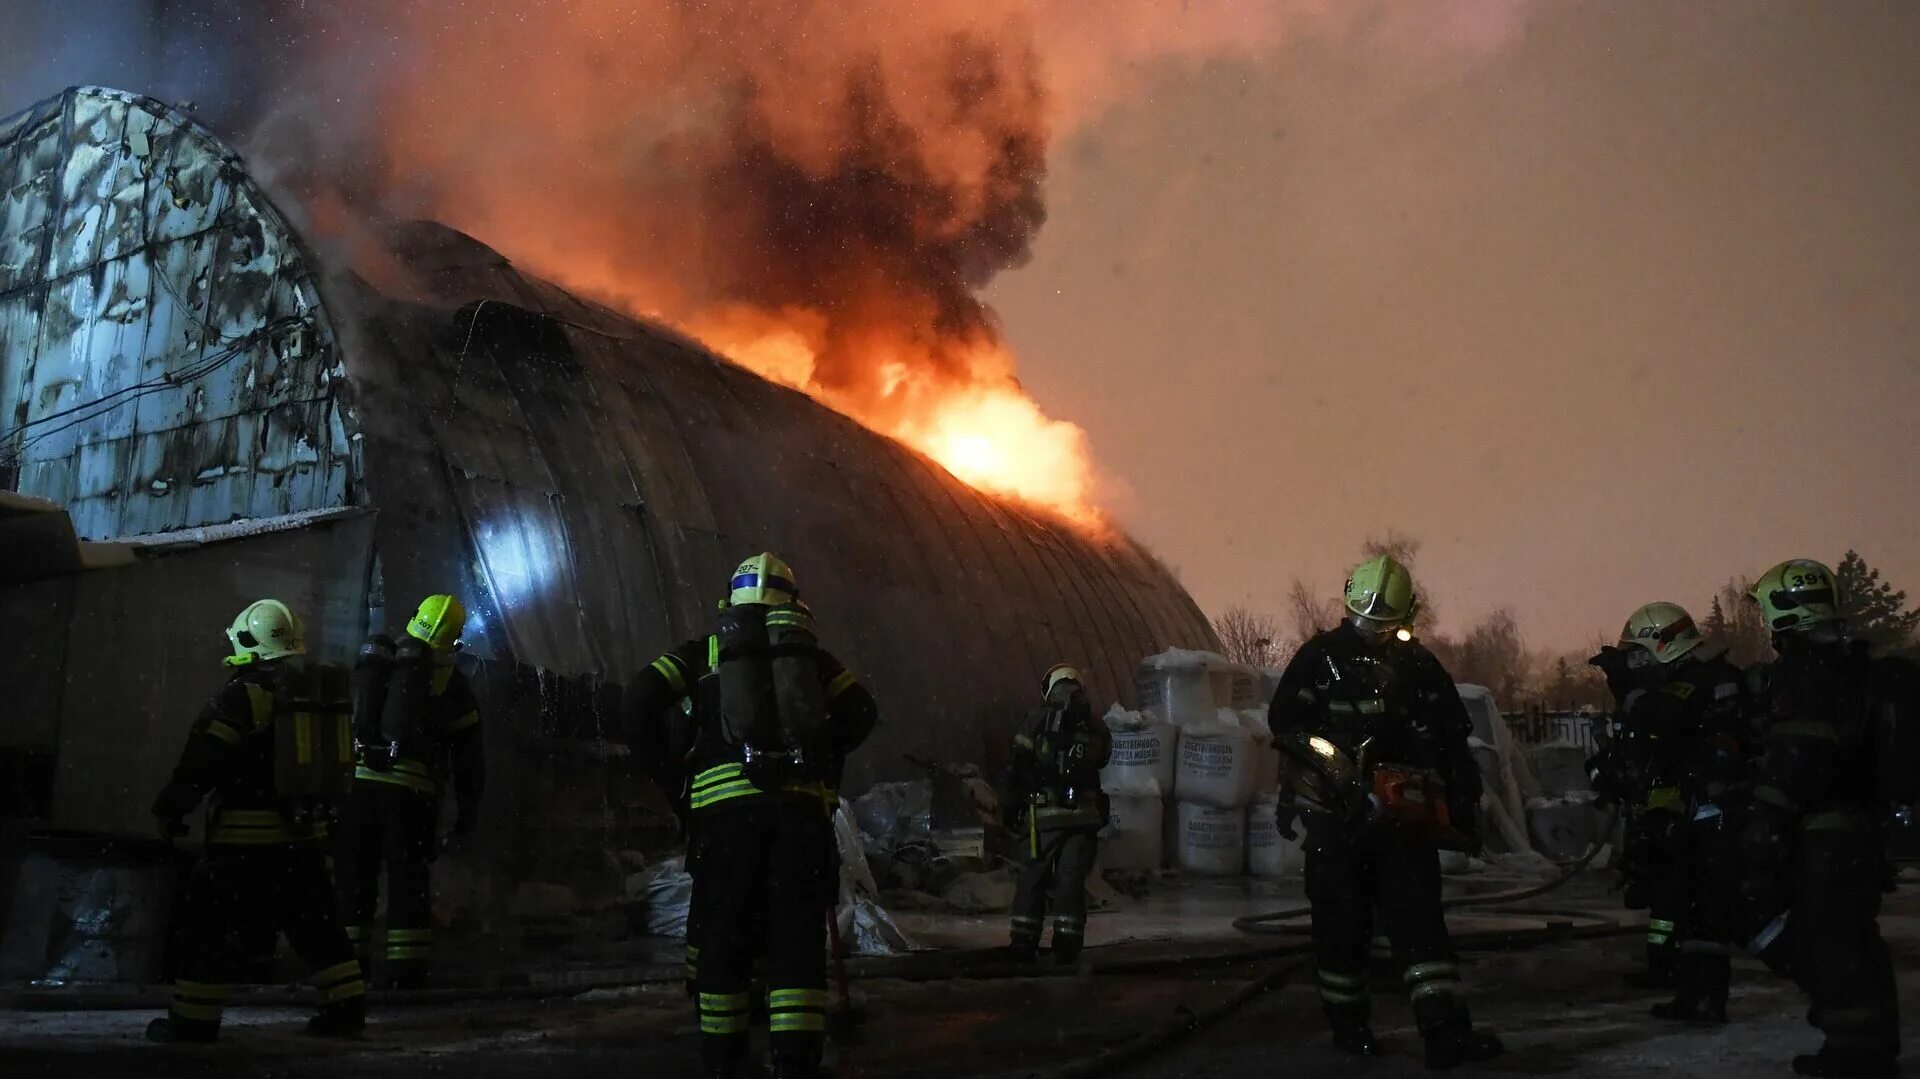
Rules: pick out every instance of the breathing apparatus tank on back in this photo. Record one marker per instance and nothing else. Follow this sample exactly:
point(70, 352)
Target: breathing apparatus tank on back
point(765, 657)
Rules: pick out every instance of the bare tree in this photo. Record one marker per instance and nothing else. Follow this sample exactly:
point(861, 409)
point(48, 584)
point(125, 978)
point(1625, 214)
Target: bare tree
point(1493, 654)
point(1402, 547)
point(1246, 637)
point(1405, 550)
point(1734, 620)
point(1310, 613)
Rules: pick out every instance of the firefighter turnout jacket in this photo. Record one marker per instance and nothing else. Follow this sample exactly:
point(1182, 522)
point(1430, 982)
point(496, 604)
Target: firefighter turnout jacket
point(1392, 698)
point(674, 726)
point(1056, 761)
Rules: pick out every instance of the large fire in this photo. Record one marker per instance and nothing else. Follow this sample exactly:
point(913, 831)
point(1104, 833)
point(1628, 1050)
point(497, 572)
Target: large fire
point(984, 429)
point(817, 188)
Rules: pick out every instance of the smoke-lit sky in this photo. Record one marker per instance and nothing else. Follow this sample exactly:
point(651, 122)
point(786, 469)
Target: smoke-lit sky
point(1604, 302)
point(1627, 307)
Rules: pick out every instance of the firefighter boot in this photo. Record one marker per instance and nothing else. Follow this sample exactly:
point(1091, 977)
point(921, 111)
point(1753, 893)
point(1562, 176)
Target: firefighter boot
point(796, 1066)
point(1067, 939)
point(723, 1057)
point(174, 1031)
point(1024, 943)
point(1351, 1031)
point(1659, 973)
point(1700, 990)
point(1841, 1064)
point(341, 1019)
point(1455, 1042)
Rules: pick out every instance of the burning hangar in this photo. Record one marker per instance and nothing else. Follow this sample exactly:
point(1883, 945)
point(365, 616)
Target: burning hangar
point(196, 410)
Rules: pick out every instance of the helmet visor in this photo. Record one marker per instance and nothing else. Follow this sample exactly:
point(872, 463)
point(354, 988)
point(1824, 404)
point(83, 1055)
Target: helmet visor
point(1794, 599)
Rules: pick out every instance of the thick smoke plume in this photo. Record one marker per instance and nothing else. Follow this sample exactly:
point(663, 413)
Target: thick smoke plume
point(818, 188)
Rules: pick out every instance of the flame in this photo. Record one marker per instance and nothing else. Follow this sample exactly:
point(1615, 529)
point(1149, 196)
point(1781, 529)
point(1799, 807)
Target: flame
point(980, 425)
point(998, 439)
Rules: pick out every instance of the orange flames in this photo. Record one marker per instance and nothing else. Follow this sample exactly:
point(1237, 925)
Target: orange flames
point(815, 188)
point(985, 429)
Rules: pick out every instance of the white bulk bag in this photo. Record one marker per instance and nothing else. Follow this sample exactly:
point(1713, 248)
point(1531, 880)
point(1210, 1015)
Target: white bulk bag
point(1209, 841)
point(1218, 765)
point(1143, 754)
point(1132, 839)
point(1177, 685)
point(1270, 855)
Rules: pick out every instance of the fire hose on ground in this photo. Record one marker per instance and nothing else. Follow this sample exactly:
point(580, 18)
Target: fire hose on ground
point(1187, 1021)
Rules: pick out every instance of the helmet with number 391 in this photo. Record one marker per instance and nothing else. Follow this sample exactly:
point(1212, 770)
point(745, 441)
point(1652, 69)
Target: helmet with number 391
point(1797, 595)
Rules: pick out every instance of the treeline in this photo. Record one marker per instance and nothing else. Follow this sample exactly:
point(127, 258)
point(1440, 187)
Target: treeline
point(1494, 652)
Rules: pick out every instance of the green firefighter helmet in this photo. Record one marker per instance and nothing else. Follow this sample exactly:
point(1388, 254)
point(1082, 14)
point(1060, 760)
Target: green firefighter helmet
point(1380, 594)
point(267, 629)
point(1058, 673)
point(438, 622)
point(1797, 595)
point(1664, 629)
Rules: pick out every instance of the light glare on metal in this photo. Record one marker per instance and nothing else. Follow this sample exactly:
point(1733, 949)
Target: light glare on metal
point(1321, 746)
point(1403, 633)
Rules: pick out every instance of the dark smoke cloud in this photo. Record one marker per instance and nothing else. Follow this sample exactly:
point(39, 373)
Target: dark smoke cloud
point(819, 188)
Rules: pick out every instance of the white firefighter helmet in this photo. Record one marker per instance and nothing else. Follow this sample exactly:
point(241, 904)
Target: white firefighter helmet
point(267, 629)
point(1664, 629)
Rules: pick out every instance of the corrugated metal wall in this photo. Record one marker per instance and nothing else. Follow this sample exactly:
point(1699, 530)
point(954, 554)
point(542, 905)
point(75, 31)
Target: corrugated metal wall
point(111, 667)
point(164, 361)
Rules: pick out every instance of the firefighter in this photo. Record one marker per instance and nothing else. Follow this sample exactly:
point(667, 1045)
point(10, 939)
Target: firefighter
point(1621, 773)
point(1382, 777)
point(763, 719)
point(1839, 750)
point(265, 860)
point(417, 724)
point(1696, 790)
point(1057, 808)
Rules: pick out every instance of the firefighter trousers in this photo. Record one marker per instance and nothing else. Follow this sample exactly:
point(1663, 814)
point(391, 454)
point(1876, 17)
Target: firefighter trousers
point(1651, 886)
point(1349, 878)
point(390, 828)
point(234, 895)
point(1056, 874)
point(1838, 957)
point(1701, 894)
point(765, 882)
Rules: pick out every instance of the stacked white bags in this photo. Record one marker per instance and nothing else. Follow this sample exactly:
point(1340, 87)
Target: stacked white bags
point(1221, 773)
point(1178, 685)
point(1135, 781)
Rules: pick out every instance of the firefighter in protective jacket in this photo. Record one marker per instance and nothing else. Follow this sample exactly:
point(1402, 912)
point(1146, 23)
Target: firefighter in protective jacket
point(417, 724)
point(762, 720)
point(1622, 774)
point(1382, 777)
point(1839, 750)
point(1056, 807)
point(1696, 792)
point(267, 753)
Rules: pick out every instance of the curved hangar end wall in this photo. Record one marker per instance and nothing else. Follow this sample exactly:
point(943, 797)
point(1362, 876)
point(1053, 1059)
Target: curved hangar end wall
point(588, 479)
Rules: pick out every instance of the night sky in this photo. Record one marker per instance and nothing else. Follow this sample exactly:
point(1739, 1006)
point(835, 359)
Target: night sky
point(1609, 313)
